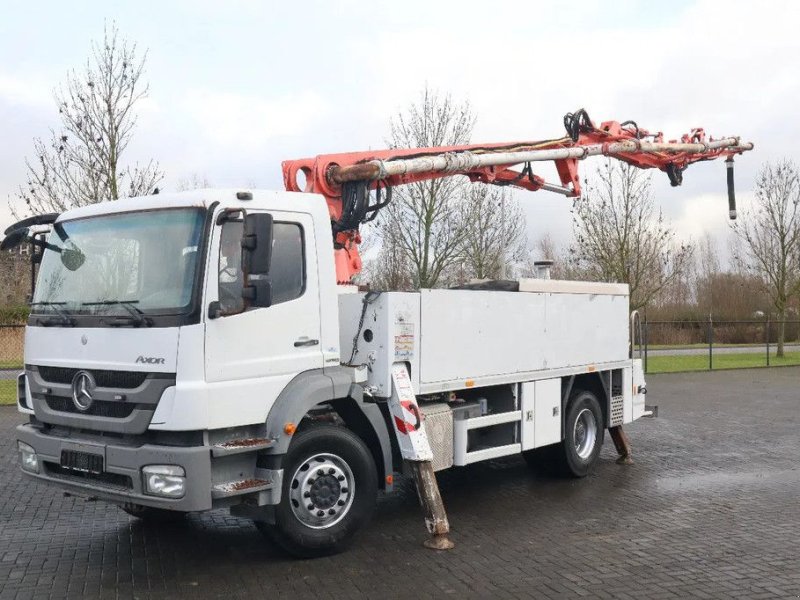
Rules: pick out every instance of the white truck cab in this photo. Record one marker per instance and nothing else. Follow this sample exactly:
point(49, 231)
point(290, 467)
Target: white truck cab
point(193, 351)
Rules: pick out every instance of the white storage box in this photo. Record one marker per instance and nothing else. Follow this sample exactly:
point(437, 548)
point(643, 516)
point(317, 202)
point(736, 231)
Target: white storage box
point(456, 339)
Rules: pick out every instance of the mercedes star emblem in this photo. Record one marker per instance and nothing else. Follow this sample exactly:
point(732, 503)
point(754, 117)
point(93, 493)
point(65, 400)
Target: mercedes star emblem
point(82, 387)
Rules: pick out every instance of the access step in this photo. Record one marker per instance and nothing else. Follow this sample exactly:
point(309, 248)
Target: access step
point(237, 488)
point(240, 445)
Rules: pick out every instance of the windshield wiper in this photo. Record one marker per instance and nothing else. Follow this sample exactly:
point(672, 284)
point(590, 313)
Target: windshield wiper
point(135, 313)
point(62, 319)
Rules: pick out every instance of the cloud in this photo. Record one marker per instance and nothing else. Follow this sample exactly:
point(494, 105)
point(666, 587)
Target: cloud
point(249, 121)
point(707, 213)
point(268, 82)
point(30, 92)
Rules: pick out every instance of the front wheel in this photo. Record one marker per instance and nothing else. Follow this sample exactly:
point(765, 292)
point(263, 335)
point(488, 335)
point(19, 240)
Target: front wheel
point(330, 487)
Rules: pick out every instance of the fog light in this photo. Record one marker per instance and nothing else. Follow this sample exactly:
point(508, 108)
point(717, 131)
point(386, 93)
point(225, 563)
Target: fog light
point(164, 480)
point(28, 458)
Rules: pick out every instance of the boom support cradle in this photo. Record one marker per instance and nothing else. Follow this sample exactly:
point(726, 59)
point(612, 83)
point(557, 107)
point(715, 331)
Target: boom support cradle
point(345, 179)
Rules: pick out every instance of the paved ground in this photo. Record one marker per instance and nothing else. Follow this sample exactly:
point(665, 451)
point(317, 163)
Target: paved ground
point(710, 509)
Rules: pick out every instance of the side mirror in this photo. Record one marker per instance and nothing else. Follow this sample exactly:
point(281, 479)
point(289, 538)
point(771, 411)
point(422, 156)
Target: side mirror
point(257, 244)
point(72, 258)
point(258, 292)
point(256, 258)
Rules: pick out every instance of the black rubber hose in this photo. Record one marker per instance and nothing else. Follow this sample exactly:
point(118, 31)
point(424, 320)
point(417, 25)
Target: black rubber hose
point(731, 191)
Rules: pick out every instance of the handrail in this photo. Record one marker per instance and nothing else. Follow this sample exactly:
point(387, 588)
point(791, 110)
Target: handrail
point(636, 328)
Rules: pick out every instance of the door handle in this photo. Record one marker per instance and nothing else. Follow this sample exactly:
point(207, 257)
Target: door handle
point(305, 342)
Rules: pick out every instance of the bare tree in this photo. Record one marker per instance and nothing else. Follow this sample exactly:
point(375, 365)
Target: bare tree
point(770, 235)
point(390, 269)
point(705, 273)
point(619, 235)
point(195, 181)
point(81, 162)
point(423, 222)
point(495, 229)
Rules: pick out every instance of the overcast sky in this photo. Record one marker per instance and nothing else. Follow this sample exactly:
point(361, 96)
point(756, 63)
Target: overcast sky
point(237, 87)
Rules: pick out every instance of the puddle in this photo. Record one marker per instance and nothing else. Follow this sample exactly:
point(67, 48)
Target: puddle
point(714, 479)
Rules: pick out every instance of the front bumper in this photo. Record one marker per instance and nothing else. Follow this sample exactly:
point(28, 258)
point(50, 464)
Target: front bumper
point(121, 481)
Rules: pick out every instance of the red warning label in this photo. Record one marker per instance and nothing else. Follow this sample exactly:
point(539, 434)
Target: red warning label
point(411, 417)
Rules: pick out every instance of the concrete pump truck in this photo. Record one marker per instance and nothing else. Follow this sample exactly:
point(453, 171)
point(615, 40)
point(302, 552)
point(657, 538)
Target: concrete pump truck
point(207, 349)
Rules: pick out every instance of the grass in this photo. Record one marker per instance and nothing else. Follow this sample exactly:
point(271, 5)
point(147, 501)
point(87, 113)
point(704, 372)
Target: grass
point(11, 364)
point(699, 362)
point(8, 391)
point(705, 345)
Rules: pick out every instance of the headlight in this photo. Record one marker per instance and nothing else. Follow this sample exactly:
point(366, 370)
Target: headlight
point(164, 480)
point(28, 458)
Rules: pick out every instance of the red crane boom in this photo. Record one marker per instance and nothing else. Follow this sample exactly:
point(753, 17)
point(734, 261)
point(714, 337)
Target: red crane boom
point(346, 179)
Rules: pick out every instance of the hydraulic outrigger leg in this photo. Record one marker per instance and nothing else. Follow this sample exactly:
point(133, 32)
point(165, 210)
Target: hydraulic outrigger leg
point(417, 453)
point(432, 505)
point(622, 445)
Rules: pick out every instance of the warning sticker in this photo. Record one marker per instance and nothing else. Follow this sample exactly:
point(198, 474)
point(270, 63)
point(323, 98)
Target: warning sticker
point(403, 340)
point(408, 423)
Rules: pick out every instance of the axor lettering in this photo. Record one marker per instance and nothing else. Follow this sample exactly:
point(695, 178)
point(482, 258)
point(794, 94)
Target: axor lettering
point(149, 360)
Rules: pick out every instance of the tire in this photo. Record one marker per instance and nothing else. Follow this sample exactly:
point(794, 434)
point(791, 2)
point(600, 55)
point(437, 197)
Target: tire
point(149, 514)
point(583, 434)
point(330, 488)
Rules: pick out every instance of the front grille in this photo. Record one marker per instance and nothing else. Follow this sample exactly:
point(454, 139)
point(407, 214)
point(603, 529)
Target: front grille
point(99, 408)
point(107, 379)
point(110, 480)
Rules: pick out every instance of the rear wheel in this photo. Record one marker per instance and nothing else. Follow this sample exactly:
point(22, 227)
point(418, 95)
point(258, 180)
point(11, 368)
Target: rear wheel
point(583, 434)
point(577, 453)
point(330, 487)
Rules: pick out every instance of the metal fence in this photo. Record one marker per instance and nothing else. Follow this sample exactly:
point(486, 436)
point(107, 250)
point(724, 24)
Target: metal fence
point(719, 343)
point(12, 338)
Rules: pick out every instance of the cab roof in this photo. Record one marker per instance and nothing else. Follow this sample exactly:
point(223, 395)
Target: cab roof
point(269, 199)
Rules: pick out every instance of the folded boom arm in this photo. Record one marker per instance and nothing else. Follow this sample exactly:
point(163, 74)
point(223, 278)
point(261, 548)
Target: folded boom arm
point(346, 179)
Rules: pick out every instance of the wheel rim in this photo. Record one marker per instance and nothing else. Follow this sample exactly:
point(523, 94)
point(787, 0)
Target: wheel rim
point(584, 433)
point(321, 491)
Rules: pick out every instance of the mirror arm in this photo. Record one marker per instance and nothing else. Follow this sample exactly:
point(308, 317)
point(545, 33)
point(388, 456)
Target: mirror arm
point(215, 310)
point(44, 245)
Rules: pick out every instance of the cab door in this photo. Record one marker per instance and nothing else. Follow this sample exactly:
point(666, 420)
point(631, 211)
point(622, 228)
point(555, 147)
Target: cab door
point(255, 353)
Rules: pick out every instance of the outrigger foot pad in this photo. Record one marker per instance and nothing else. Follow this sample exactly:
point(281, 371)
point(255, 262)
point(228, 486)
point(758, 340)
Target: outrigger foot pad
point(438, 542)
point(622, 445)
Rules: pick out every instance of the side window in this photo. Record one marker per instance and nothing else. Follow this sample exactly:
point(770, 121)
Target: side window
point(230, 266)
point(288, 268)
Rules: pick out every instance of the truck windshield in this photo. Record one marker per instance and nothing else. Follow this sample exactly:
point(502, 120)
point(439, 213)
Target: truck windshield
point(126, 264)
